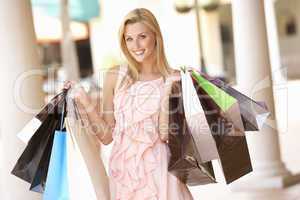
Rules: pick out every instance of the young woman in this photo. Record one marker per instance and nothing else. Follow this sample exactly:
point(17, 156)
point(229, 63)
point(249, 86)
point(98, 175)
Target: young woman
point(134, 114)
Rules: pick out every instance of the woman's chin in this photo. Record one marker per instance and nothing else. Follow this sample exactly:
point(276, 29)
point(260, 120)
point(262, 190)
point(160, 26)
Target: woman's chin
point(139, 60)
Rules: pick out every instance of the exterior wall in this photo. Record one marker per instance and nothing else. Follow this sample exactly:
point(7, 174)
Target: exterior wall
point(289, 45)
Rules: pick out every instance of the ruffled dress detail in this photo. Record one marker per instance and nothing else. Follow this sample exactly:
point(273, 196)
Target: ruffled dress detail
point(138, 163)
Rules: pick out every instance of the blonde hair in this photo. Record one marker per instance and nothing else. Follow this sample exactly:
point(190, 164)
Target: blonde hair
point(147, 18)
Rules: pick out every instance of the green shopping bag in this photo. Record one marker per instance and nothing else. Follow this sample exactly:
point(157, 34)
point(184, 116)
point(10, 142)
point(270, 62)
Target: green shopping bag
point(228, 104)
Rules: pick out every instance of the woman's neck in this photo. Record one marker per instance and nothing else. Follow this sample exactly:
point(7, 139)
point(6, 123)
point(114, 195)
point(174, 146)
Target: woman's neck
point(148, 68)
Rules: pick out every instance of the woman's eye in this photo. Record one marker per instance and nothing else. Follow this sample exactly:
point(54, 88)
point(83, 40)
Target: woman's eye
point(143, 36)
point(128, 39)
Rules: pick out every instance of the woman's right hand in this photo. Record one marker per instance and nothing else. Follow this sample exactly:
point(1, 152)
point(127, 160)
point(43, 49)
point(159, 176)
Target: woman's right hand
point(69, 84)
point(78, 93)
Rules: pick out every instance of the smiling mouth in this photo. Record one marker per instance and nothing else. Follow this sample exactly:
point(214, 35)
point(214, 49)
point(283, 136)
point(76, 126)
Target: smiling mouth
point(139, 53)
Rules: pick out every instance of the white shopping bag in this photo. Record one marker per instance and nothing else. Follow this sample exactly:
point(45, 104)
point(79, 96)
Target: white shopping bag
point(87, 176)
point(34, 124)
point(196, 120)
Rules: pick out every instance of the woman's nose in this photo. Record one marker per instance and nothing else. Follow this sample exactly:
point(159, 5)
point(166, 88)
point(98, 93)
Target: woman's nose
point(136, 44)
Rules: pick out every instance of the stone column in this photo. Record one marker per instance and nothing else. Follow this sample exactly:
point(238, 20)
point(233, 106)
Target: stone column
point(212, 43)
point(279, 73)
point(254, 78)
point(68, 48)
point(21, 89)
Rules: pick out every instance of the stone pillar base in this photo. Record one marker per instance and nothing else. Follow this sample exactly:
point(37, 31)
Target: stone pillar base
point(251, 183)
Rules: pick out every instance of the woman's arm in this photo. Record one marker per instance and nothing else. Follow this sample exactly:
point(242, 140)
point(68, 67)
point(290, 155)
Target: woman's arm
point(164, 107)
point(101, 124)
point(105, 122)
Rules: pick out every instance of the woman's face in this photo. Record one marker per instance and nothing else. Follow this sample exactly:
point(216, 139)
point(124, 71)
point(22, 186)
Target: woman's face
point(140, 42)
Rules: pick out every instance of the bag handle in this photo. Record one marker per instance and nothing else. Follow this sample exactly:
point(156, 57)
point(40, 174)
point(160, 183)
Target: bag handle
point(62, 116)
point(63, 112)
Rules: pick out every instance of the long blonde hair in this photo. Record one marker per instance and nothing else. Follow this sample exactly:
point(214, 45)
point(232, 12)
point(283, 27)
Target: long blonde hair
point(147, 18)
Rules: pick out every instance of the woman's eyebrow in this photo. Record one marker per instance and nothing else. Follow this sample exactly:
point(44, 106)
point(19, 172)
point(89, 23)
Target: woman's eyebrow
point(128, 35)
point(143, 32)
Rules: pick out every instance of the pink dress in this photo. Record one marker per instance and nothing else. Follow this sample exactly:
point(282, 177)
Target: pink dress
point(139, 159)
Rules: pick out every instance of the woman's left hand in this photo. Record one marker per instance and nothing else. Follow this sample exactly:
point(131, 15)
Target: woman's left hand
point(164, 112)
point(164, 137)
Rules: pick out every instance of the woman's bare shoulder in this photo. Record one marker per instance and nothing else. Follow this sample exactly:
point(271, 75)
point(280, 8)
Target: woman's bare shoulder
point(114, 74)
point(111, 76)
point(175, 74)
point(113, 71)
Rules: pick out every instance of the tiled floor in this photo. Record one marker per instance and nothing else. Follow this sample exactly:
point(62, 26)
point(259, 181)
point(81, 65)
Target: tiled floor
point(291, 193)
point(222, 193)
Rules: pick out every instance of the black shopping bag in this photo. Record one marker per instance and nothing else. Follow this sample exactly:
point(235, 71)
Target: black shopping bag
point(233, 150)
point(32, 166)
point(32, 126)
point(184, 157)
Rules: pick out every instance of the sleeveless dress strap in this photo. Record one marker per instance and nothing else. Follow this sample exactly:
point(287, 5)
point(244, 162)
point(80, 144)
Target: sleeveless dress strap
point(121, 74)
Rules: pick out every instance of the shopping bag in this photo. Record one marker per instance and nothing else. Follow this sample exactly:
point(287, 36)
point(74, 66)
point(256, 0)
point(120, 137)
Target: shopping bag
point(29, 161)
point(196, 121)
point(254, 114)
point(183, 151)
point(57, 185)
point(40, 177)
point(32, 126)
point(84, 159)
point(228, 105)
point(32, 166)
point(38, 183)
point(232, 149)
